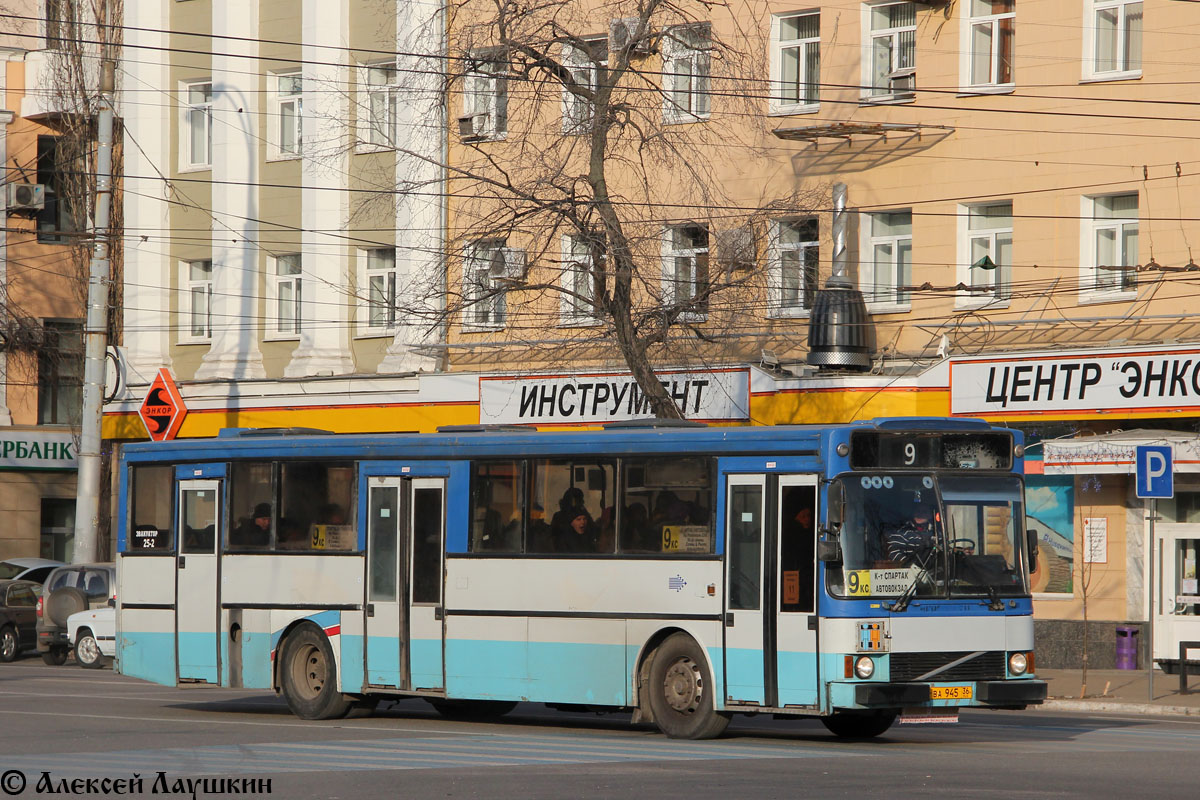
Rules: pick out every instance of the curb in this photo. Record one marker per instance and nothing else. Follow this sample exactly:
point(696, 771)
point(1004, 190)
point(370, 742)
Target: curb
point(1113, 707)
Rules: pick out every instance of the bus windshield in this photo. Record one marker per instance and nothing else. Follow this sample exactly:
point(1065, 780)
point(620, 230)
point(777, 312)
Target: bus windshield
point(927, 536)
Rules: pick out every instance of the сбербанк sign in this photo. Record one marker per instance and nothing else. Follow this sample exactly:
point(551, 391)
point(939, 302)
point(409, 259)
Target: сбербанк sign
point(1048, 385)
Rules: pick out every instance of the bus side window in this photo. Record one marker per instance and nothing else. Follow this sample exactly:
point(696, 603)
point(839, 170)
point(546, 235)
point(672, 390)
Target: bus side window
point(150, 504)
point(496, 506)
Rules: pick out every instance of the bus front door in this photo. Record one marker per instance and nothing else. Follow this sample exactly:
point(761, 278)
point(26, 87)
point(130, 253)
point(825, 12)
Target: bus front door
point(197, 611)
point(404, 625)
point(770, 585)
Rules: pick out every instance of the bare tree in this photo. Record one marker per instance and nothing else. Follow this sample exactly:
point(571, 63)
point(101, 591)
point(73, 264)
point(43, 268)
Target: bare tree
point(590, 204)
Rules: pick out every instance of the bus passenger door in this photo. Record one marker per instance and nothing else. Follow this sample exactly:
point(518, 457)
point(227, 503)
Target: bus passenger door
point(197, 614)
point(745, 635)
point(795, 591)
point(386, 509)
point(426, 633)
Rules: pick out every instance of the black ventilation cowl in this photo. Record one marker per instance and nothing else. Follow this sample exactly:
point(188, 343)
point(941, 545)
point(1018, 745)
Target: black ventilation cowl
point(839, 328)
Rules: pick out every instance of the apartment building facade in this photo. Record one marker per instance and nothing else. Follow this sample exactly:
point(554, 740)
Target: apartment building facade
point(41, 308)
point(330, 228)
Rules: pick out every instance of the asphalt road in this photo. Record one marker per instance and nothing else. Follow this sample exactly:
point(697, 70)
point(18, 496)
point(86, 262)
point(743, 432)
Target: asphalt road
point(79, 724)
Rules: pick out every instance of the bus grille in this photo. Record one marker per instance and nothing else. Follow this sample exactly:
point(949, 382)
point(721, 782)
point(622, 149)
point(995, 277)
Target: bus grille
point(910, 666)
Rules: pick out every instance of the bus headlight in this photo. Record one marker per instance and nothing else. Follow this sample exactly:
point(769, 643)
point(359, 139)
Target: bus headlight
point(1017, 663)
point(864, 667)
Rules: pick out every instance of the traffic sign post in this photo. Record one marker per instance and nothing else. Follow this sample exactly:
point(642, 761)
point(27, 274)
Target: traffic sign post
point(1155, 466)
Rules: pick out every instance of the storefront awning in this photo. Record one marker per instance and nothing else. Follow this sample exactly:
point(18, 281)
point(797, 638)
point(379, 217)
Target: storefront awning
point(1113, 453)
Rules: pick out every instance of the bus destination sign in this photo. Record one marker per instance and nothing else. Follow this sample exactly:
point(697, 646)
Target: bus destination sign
point(887, 450)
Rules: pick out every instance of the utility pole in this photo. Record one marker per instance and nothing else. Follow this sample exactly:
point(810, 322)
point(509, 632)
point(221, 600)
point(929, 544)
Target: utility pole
point(87, 493)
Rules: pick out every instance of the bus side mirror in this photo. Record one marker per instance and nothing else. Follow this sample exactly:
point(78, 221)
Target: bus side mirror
point(1031, 539)
point(835, 505)
point(829, 550)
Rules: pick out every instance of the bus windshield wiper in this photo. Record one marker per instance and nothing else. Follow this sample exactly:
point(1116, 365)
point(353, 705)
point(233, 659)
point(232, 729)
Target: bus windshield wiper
point(903, 600)
point(994, 596)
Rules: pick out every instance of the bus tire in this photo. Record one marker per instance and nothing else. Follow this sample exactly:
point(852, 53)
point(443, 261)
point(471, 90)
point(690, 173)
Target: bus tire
point(472, 709)
point(680, 691)
point(308, 676)
point(859, 725)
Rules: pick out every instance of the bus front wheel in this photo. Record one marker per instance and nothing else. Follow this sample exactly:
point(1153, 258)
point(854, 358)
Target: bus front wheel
point(681, 691)
point(852, 725)
point(308, 676)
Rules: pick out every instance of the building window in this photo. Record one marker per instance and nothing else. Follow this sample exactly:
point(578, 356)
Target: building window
point(687, 70)
point(197, 124)
point(992, 27)
point(792, 272)
point(1117, 42)
point(686, 268)
point(60, 373)
point(893, 49)
point(379, 269)
point(286, 295)
point(587, 67)
point(55, 218)
point(489, 267)
point(891, 257)
point(288, 115)
point(797, 61)
point(196, 282)
point(485, 98)
point(382, 104)
point(1114, 243)
point(62, 27)
point(989, 250)
point(578, 282)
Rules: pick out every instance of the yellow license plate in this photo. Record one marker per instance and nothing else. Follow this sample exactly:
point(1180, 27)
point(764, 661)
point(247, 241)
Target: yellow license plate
point(950, 693)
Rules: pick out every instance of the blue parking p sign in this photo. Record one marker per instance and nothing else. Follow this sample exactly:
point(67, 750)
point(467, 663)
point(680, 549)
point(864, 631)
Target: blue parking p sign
point(1155, 471)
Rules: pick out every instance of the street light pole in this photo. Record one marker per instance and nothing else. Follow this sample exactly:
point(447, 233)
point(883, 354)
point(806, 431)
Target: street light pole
point(87, 493)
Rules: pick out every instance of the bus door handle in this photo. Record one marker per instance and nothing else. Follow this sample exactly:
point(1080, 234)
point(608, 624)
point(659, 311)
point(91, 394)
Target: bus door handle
point(812, 622)
point(370, 609)
point(728, 619)
point(182, 562)
point(439, 613)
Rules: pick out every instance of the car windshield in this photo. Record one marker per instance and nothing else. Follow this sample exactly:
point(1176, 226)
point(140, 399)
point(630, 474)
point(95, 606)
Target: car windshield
point(918, 536)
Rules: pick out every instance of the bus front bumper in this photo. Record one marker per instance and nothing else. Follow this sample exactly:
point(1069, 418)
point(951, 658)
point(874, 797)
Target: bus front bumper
point(999, 694)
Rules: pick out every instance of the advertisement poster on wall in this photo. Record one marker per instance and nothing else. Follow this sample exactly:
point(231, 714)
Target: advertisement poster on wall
point(1050, 510)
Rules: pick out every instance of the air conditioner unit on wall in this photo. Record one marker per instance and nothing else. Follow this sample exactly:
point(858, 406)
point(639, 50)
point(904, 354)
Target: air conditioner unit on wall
point(473, 127)
point(903, 81)
point(25, 196)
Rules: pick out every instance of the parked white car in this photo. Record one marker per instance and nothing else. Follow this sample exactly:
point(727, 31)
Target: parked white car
point(93, 635)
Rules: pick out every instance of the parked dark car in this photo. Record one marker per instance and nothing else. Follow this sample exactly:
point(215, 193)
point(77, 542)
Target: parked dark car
point(28, 569)
point(18, 617)
point(75, 587)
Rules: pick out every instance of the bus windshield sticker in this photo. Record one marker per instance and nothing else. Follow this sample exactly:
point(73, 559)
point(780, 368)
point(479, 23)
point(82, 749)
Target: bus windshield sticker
point(880, 582)
point(686, 539)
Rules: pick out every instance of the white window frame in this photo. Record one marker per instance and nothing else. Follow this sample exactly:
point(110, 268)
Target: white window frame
point(1000, 278)
point(285, 277)
point(584, 66)
point(372, 266)
point(485, 91)
point(488, 264)
point(577, 278)
point(189, 112)
point(895, 300)
point(378, 100)
point(195, 298)
point(994, 24)
point(780, 303)
point(870, 93)
point(687, 73)
point(1122, 69)
point(280, 103)
point(671, 285)
point(804, 45)
point(1123, 284)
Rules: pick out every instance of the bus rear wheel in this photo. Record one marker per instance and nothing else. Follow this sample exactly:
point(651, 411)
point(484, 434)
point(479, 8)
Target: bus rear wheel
point(859, 725)
point(681, 691)
point(308, 676)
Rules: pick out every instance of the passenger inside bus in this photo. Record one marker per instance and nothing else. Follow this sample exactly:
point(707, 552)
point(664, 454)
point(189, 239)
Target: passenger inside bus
point(578, 533)
point(255, 530)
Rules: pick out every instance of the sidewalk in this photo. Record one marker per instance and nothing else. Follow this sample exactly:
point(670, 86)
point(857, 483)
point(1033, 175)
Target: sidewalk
point(1119, 691)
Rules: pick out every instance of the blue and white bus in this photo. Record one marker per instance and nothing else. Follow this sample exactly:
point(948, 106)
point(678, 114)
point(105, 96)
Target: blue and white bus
point(681, 572)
